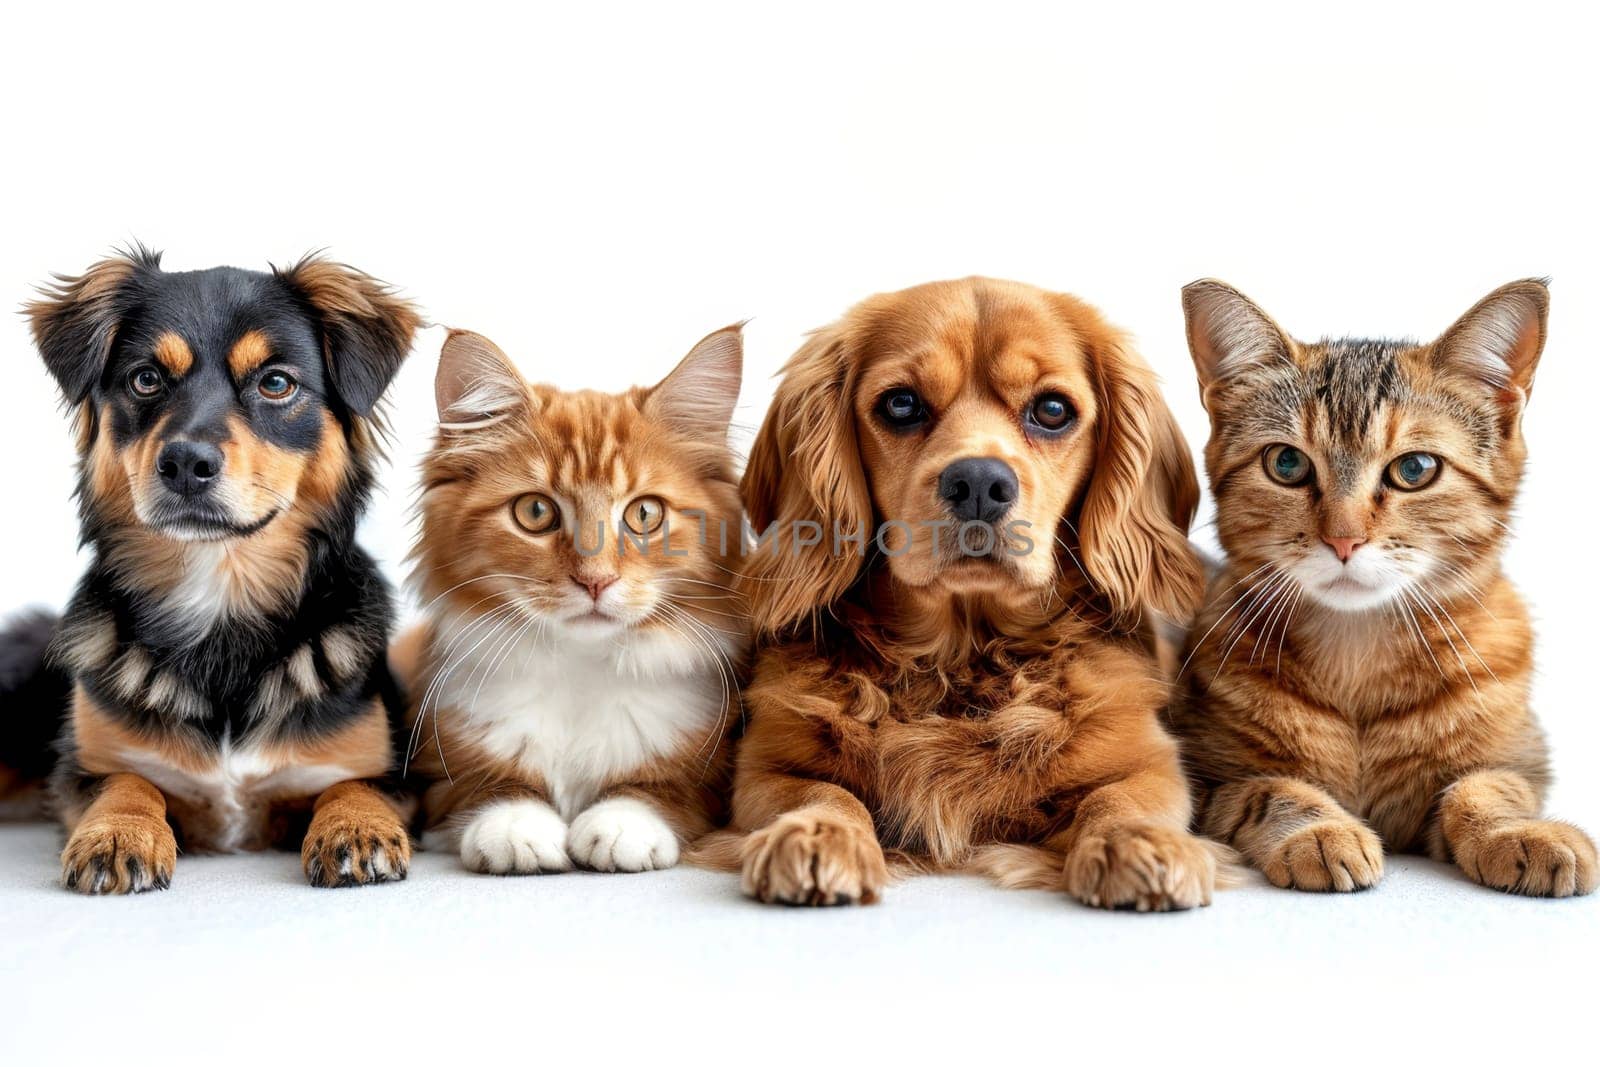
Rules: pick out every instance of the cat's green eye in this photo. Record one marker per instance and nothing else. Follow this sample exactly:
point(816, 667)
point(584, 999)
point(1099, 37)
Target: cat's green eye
point(536, 513)
point(1413, 471)
point(644, 515)
point(1286, 465)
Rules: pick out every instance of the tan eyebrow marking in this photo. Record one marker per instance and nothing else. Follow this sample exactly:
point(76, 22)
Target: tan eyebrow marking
point(248, 353)
point(173, 353)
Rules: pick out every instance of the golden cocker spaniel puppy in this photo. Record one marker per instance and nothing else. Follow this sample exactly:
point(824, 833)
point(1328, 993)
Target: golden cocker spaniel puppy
point(972, 506)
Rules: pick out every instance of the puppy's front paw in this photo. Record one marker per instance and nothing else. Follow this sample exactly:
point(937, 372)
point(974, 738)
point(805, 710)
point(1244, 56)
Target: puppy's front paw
point(1341, 855)
point(355, 843)
point(1150, 866)
point(810, 858)
point(515, 837)
point(1537, 859)
point(622, 834)
point(119, 854)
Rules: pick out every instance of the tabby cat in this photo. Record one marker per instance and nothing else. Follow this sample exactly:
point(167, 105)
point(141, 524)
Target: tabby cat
point(1359, 679)
point(572, 687)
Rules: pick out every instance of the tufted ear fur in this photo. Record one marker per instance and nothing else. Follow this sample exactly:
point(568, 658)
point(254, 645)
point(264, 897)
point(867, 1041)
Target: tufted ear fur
point(1228, 333)
point(476, 384)
point(1498, 343)
point(805, 467)
point(366, 328)
point(699, 396)
point(1134, 520)
point(75, 319)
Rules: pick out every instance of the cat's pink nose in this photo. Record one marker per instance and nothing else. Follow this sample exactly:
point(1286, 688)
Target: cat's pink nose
point(595, 583)
point(1345, 547)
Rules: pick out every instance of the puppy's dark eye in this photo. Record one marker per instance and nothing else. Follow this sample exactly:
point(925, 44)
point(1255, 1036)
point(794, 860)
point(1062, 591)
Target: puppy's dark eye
point(902, 409)
point(1413, 471)
point(145, 382)
point(276, 385)
point(1051, 412)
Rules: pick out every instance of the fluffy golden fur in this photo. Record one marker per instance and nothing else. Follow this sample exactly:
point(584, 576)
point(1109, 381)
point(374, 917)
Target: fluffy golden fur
point(1359, 678)
point(573, 687)
point(998, 710)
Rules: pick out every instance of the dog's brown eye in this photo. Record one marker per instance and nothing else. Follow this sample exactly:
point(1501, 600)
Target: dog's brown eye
point(145, 382)
point(902, 409)
point(276, 385)
point(536, 513)
point(645, 514)
point(1052, 412)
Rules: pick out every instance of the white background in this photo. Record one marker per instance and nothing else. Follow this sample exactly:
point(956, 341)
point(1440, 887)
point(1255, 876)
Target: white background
point(597, 189)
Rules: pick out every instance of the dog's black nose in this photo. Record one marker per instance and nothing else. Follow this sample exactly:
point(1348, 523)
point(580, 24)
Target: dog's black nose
point(189, 467)
point(978, 489)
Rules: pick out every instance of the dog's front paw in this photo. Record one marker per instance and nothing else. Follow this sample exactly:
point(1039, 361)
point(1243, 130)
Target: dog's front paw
point(355, 843)
point(1537, 858)
point(1150, 866)
point(811, 858)
point(515, 837)
point(1341, 855)
point(119, 854)
point(622, 834)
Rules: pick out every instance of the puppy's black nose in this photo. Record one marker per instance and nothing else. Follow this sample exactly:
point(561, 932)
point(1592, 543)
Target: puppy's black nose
point(978, 489)
point(189, 467)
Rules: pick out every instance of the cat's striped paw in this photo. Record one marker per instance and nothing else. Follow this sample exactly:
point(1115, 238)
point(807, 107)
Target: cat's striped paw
point(1338, 855)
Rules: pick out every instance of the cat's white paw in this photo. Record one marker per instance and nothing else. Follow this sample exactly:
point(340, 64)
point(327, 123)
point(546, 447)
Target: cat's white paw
point(515, 837)
point(622, 834)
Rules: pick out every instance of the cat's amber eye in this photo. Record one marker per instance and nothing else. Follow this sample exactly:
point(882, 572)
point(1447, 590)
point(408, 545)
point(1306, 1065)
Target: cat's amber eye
point(536, 513)
point(645, 514)
point(1286, 465)
point(1413, 471)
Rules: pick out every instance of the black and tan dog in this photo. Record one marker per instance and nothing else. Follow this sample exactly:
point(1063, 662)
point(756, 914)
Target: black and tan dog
point(220, 670)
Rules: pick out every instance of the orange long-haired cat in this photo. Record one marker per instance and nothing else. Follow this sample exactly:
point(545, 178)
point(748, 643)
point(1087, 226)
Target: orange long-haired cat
point(571, 689)
point(1359, 679)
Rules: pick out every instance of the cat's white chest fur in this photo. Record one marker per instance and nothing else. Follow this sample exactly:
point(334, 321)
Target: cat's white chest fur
point(578, 712)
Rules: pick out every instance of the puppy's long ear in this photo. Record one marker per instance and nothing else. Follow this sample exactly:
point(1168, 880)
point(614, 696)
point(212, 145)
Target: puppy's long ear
point(699, 396)
point(1228, 334)
point(1498, 343)
point(75, 319)
point(366, 328)
point(1134, 519)
point(805, 477)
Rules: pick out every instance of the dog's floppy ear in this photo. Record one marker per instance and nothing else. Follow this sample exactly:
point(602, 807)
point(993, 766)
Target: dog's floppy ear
point(805, 477)
point(1134, 519)
point(366, 328)
point(75, 319)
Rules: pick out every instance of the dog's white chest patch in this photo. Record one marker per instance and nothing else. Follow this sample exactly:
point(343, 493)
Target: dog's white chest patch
point(225, 805)
point(580, 714)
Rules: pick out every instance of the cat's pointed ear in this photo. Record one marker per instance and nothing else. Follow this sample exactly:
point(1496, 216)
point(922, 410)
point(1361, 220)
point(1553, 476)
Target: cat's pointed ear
point(699, 395)
point(476, 384)
point(1499, 341)
point(1228, 332)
